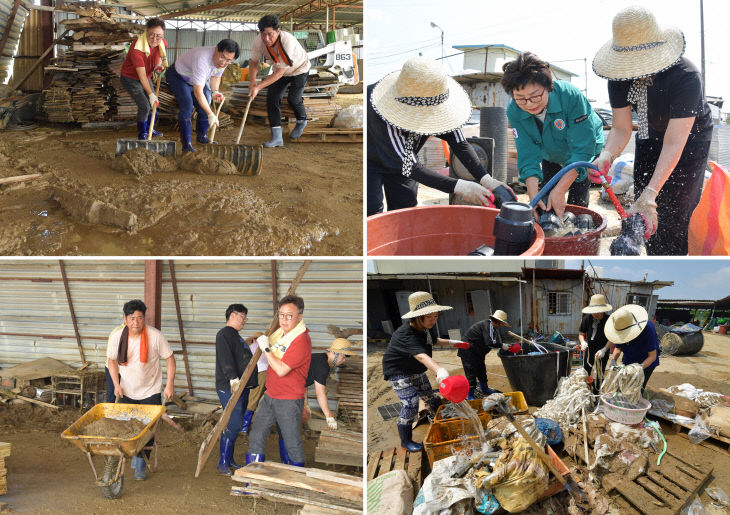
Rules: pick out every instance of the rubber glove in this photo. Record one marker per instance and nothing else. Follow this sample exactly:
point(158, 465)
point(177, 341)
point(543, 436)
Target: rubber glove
point(441, 374)
point(332, 423)
point(234, 384)
point(501, 191)
point(583, 346)
point(459, 344)
point(600, 354)
point(514, 348)
point(603, 162)
point(646, 206)
point(212, 119)
point(474, 193)
point(153, 99)
point(159, 69)
point(218, 96)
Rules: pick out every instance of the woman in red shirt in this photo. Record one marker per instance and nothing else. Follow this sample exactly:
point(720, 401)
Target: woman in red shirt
point(144, 57)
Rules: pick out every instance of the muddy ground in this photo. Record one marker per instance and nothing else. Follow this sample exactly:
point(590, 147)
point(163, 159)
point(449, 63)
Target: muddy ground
point(707, 369)
point(47, 474)
point(306, 201)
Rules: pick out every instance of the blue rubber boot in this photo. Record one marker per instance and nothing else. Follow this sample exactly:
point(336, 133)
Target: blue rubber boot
point(139, 466)
point(282, 452)
point(296, 463)
point(186, 135)
point(201, 129)
point(470, 395)
point(486, 390)
point(252, 458)
point(232, 462)
point(149, 123)
point(142, 130)
point(276, 139)
point(226, 451)
point(405, 431)
point(298, 129)
point(247, 416)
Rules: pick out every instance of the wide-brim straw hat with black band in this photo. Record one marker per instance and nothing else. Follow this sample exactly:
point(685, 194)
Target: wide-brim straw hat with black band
point(422, 303)
point(598, 304)
point(340, 346)
point(501, 316)
point(421, 98)
point(639, 47)
point(626, 323)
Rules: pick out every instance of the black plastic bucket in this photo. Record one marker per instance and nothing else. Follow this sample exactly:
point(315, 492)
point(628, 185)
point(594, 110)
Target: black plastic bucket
point(536, 376)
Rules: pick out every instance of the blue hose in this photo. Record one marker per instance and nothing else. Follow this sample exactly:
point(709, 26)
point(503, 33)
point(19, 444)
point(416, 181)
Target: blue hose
point(546, 189)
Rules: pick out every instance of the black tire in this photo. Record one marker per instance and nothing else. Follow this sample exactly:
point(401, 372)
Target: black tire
point(113, 490)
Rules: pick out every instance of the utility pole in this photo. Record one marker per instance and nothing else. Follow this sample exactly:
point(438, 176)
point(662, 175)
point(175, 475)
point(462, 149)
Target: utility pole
point(442, 41)
point(702, 42)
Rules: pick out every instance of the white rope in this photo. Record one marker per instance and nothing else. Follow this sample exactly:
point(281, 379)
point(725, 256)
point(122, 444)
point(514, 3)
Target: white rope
point(626, 380)
point(573, 394)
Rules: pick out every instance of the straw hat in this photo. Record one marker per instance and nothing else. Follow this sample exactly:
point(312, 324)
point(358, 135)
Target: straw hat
point(639, 47)
point(421, 98)
point(501, 316)
point(598, 304)
point(340, 345)
point(422, 303)
point(626, 323)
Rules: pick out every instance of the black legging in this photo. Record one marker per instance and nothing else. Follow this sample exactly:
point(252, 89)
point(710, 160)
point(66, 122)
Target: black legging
point(678, 197)
point(275, 94)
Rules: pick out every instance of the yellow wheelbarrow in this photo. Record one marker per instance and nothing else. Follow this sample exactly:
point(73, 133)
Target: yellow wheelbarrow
point(116, 450)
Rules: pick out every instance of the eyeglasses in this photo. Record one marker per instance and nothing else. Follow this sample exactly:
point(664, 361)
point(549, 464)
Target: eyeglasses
point(135, 319)
point(155, 36)
point(534, 99)
point(242, 315)
point(286, 316)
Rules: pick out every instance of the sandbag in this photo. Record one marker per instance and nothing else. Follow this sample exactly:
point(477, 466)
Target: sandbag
point(709, 227)
point(719, 419)
point(390, 494)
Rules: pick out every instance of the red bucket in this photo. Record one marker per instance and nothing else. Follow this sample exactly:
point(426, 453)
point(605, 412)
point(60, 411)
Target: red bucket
point(586, 244)
point(454, 388)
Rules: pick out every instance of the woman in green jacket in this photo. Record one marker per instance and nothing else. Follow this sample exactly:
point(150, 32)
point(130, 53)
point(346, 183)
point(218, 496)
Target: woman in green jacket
point(553, 125)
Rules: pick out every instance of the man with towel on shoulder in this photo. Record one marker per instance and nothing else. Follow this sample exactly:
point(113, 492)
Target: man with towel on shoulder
point(138, 348)
point(288, 351)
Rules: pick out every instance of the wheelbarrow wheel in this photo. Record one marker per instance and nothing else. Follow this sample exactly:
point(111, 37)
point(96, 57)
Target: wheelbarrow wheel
point(111, 490)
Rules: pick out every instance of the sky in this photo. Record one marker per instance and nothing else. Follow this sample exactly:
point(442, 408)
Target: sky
point(697, 279)
point(558, 31)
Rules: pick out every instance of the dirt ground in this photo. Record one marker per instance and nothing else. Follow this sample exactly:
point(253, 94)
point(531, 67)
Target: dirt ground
point(707, 369)
point(306, 201)
point(47, 474)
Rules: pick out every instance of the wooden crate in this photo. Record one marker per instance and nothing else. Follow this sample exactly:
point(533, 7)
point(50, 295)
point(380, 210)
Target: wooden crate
point(397, 458)
point(79, 389)
point(330, 135)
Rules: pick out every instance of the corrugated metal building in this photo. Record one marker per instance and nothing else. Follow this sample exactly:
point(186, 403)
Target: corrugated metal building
point(35, 320)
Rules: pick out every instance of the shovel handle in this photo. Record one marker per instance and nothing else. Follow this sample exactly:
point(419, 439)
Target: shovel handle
point(212, 131)
point(520, 337)
point(154, 110)
point(243, 121)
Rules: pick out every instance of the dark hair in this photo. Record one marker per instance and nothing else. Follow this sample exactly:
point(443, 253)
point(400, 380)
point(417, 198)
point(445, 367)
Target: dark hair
point(270, 20)
point(293, 299)
point(525, 69)
point(228, 45)
point(238, 308)
point(156, 22)
point(132, 306)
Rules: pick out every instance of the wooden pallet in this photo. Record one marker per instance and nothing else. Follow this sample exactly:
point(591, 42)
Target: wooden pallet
point(396, 458)
point(717, 443)
point(331, 135)
point(339, 448)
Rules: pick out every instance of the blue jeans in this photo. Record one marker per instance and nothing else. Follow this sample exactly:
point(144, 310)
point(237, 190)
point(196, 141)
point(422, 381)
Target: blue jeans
point(110, 397)
point(236, 420)
point(183, 92)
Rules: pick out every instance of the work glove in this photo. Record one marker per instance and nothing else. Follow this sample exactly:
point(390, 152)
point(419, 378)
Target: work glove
point(501, 191)
point(234, 384)
point(332, 423)
point(441, 374)
point(212, 119)
point(584, 346)
point(514, 348)
point(306, 413)
point(603, 163)
point(474, 193)
point(600, 354)
point(218, 96)
point(153, 99)
point(263, 342)
point(159, 69)
point(646, 206)
point(459, 344)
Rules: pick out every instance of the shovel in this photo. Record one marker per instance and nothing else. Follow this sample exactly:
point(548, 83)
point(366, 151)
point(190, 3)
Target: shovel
point(162, 147)
point(247, 158)
point(212, 130)
point(570, 485)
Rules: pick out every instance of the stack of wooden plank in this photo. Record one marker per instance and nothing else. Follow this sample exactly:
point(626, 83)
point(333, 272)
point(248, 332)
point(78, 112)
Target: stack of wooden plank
point(313, 487)
point(350, 392)
point(323, 109)
point(4, 453)
point(339, 448)
point(99, 26)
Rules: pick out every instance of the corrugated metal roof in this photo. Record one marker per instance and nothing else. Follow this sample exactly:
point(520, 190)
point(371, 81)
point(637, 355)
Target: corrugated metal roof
point(35, 320)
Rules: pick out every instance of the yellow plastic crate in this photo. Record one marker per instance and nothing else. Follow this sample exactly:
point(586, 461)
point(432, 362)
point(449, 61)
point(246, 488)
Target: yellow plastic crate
point(516, 398)
point(444, 438)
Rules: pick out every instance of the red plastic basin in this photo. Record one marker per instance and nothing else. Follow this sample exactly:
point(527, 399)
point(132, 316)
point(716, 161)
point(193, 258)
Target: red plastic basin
point(586, 244)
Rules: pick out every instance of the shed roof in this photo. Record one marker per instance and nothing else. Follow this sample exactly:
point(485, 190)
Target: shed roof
point(500, 45)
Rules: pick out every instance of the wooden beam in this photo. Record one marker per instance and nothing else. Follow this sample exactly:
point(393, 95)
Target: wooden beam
point(71, 309)
point(180, 327)
point(9, 27)
point(203, 8)
point(20, 178)
point(207, 446)
point(153, 292)
point(274, 286)
point(314, 6)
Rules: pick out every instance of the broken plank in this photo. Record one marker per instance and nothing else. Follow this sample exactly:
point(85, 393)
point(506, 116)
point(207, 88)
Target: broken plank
point(400, 459)
point(374, 461)
point(293, 499)
point(340, 478)
point(4, 450)
point(337, 458)
point(8, 393)
point(20, 178)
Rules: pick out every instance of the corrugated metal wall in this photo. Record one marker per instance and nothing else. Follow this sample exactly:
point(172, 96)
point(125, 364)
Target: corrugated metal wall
point(181, 40)
point(720, 146)
point(35, 320)
point(30, 49)
point(14, 31)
